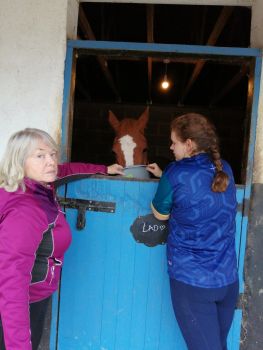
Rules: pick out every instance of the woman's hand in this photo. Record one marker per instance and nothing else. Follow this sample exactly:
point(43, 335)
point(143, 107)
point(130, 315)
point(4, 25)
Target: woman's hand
point(115, 169)
point(154, 169)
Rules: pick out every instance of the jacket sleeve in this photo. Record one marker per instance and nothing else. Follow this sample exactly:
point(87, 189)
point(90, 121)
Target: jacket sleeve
point(19, 239)
point(163, 199)
point(67, 169)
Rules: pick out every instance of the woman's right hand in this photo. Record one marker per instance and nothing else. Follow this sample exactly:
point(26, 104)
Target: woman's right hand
point(154, 169)
point(115, 169)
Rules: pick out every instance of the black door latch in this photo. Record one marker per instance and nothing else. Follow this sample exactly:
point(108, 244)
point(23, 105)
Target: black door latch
point(82, 205)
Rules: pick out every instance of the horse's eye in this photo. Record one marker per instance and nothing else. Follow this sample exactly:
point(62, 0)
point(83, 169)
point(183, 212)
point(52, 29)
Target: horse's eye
point(145, 150)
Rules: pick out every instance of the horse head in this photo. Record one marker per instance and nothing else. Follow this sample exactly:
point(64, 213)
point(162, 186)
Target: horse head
point(130, 145)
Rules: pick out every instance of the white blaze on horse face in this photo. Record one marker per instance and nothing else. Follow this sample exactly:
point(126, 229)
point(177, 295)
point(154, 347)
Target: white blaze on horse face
point(127, 147)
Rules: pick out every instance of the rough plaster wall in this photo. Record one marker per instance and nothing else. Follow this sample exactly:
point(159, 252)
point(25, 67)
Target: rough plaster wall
point(33, 46)
point(252, 300)
point(257, 41)
point(252, 322)
point(72, 19)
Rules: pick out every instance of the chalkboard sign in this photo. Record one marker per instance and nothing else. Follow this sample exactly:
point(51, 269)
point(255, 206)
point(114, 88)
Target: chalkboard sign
point(149, 230)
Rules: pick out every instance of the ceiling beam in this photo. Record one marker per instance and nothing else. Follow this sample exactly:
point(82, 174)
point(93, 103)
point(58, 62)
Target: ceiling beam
point(232, 83)
point(187, 59)
point(218, 28)
point(150, 39)
point(177, 59)
point(246, 3)
point(89, 35)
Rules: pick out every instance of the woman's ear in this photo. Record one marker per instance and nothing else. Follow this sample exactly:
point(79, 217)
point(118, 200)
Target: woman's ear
point(191, 147)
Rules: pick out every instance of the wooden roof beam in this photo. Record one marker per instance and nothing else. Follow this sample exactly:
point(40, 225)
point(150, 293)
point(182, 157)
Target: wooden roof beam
point(218, 28)
point(89, 35)
point(233, 82)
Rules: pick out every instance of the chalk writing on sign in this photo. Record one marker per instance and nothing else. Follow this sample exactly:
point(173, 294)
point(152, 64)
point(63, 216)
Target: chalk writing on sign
point(147, 227)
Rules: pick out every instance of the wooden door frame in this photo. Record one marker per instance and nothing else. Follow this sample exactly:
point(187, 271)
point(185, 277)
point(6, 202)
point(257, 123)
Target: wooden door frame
point(130, 48)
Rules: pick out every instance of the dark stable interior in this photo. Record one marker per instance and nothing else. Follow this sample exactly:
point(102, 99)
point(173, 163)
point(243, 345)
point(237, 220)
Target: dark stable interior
point(216, 87)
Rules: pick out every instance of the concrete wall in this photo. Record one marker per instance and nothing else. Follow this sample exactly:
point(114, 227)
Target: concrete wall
point(252, 300)
point(33, 47)
point(256, 39)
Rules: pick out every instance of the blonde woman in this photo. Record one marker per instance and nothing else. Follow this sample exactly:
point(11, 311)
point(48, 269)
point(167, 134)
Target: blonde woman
point(34, 234)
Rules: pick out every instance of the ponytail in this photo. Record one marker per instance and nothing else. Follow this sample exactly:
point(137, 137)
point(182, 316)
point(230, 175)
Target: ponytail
point(221, 179)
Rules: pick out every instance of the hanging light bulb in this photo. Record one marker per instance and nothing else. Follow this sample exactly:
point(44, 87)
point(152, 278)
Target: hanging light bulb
point(165, 84)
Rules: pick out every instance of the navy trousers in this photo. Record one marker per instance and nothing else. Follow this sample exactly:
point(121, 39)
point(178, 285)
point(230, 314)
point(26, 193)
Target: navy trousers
point(38, 312)
point(204, 315)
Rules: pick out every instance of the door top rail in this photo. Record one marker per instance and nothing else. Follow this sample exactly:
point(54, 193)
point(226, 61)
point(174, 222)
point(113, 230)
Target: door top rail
point(169, 49)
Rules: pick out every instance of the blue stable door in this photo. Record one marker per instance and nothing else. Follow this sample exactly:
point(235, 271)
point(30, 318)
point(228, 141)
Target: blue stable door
point(114, 291)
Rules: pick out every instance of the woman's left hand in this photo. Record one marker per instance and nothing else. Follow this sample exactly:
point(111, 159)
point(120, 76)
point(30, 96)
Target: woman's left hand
point(115, 169)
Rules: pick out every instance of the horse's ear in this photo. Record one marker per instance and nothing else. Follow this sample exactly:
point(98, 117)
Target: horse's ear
point(143, 119)
point(113, 120)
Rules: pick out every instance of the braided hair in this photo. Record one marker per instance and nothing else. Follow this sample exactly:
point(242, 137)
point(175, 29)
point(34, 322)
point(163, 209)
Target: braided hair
point(199, 129)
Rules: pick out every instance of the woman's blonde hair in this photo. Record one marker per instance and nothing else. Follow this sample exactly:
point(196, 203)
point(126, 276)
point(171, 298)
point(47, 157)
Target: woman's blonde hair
point(19, 147)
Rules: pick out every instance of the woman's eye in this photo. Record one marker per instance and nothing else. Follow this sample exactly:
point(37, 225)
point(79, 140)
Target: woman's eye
point(41, 156)
point(54, 155)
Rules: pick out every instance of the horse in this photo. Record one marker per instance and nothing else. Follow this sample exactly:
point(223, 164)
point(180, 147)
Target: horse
point(130, 144)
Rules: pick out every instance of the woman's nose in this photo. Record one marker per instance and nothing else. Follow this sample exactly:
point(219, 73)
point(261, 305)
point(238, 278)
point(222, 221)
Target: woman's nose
point(50, 160)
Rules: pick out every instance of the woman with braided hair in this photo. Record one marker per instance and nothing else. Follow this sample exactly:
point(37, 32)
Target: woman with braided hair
point(197, 194)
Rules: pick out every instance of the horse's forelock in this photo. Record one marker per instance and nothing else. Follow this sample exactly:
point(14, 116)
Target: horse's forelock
point(127, 125)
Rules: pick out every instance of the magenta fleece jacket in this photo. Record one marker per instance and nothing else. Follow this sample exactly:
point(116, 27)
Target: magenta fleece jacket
point(34, 236)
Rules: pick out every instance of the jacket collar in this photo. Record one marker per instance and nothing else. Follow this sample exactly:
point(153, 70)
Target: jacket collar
point(198, 158)
point(37, 187)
